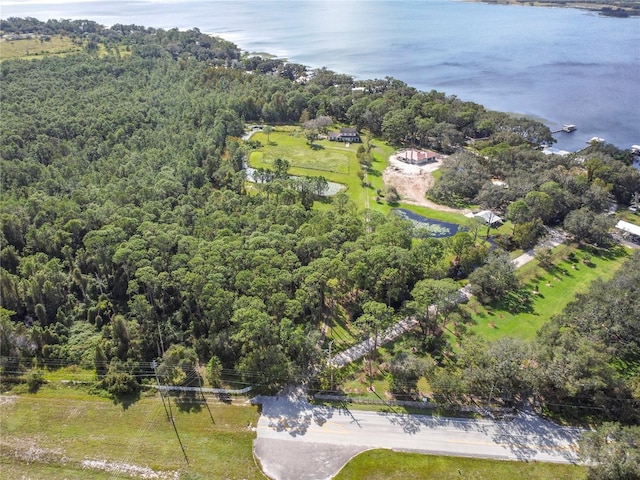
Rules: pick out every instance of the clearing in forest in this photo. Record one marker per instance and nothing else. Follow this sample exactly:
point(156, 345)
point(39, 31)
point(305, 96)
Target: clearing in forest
point(546, 292)
point(28, 48)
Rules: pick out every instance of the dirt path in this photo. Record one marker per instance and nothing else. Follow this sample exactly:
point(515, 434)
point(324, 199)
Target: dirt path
point(412, 183)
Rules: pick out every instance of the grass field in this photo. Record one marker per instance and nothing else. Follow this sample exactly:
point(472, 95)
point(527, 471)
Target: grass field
point(35, 48)
point(50, 434)
point(56, 433)
point(332, 160)
point(557, 286)
point(389, 465)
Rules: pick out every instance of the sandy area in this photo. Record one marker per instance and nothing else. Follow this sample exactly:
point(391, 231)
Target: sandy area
point(413, 181)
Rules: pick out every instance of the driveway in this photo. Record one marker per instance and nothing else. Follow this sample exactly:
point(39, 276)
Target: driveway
point(296, 440)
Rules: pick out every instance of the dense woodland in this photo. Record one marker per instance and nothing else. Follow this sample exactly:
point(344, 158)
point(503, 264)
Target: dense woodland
point(129, 235)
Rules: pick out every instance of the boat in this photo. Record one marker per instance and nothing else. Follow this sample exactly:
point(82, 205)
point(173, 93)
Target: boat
point(568, 127)
point(595, 140)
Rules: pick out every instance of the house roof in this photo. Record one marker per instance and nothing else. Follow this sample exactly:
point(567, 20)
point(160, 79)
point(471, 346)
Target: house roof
point(348, 131)
point(486, 216)
point(628, 227)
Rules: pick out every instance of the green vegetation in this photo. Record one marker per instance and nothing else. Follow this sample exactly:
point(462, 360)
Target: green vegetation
point(84, 427)
point(388, 465)
point(611, 8)
point(30, 48)
point(556, 286)
point(133, 249)
point(326, 157)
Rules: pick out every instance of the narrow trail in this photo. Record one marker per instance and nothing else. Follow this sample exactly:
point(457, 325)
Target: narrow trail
point(359, 350)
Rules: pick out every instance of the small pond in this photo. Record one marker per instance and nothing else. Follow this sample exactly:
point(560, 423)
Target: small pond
point(332, 187)
point(436, 228)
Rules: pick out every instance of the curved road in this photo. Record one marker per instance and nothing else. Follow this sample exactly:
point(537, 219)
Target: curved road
point(296, 440)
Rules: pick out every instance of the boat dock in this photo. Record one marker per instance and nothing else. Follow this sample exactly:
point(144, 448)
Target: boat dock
point(567, 128)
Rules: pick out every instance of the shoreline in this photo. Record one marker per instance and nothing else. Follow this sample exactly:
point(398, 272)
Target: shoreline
point(615, 9)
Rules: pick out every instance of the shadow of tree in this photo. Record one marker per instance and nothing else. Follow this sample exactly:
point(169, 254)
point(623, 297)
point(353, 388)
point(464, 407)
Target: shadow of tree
point(125, 401)
point(189, 402)
point(516, 302)
point(527, 435)
point(293, 414)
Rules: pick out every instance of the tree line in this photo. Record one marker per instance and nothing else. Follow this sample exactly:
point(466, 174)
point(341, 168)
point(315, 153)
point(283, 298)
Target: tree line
point(128, 233)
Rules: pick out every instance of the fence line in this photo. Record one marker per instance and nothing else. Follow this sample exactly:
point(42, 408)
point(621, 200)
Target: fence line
point(203, 390)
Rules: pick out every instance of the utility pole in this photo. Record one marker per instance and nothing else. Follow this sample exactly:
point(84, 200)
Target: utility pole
point(330, 367)
point(169, 412)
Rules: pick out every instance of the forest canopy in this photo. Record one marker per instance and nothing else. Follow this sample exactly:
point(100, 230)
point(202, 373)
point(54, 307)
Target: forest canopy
point(129, 234)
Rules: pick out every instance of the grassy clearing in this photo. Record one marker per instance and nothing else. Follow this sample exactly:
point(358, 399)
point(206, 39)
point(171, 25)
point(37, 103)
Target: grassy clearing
point(556, 286)
point(332, 160)
point(35, 48)
point(437, 214)
point(54, 430)
point(389, 465)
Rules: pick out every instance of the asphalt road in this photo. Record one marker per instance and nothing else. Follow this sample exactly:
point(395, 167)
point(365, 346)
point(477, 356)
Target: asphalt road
point(295, 440)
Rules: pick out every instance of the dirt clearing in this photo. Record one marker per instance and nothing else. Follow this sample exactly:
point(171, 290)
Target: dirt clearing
point(413, 181)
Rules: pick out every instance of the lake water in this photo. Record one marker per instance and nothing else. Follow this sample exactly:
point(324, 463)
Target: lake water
point(560, 65)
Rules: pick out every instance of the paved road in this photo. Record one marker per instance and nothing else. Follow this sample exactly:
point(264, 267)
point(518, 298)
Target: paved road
point(298, 441)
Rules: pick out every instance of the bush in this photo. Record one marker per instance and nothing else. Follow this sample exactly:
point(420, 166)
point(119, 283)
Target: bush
point(120, 384)
point(35, 379)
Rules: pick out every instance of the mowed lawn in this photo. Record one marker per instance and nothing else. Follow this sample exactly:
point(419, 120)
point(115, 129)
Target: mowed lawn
point(35, 48)
point(49, 434)
point(556, 286)
point(389, 465)
point(332, 160)
point(289, 143)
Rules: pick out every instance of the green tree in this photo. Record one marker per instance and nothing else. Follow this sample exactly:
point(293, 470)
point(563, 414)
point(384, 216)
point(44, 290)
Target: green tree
point(432, 301)
point(178, 366)
point(214, 372)
point(589, 227)
point(612, 452)
point(406, 369)
point(495, 279)
point(268, 130)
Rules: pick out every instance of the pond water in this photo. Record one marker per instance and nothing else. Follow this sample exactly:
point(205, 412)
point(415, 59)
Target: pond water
point(333, 188)
point(436, 228)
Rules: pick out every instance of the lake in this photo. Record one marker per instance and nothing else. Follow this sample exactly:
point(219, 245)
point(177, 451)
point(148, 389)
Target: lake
point(559, 65)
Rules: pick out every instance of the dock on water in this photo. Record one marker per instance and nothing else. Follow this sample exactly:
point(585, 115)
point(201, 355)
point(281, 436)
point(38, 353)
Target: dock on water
point(567, 128)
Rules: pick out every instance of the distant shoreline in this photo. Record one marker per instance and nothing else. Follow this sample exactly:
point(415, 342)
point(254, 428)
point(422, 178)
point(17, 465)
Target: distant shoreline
point(615, 8)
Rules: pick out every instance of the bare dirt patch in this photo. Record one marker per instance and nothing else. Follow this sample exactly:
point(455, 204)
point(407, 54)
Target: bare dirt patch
point(412, 182)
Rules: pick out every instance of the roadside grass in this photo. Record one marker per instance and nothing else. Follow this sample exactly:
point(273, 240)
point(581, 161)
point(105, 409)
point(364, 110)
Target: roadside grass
point(59, 427)
point(41, 471)
point(389, 465)
point(35, 48)
point(71, 373)
point(523, 314)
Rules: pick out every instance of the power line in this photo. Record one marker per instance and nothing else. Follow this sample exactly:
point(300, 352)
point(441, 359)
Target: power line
point(170, 414)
